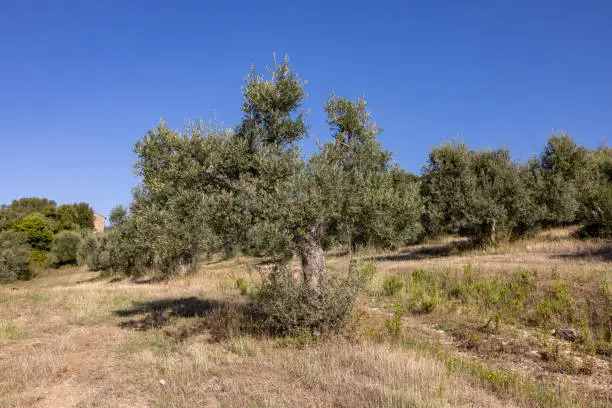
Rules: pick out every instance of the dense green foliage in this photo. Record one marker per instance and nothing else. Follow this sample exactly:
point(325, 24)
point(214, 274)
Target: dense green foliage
point(42, 224)
point(14, 257)
point(65, 246)
point(486, 197)
point(39, 234)
point(480, 195)
point(118, 215)
point(251, 189)
point(595, 194)
point(95, 251)
point(284, 306)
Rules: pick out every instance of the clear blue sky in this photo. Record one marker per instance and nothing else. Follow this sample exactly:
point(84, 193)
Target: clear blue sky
point(81, 81)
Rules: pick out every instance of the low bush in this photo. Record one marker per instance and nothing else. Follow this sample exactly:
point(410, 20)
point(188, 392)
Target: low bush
point(285, 306)
point(557, 307)
point(242, 286)
point(392, 285)
point(394, 323)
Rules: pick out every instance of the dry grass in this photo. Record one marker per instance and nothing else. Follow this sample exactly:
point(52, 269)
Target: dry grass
point(71, 339)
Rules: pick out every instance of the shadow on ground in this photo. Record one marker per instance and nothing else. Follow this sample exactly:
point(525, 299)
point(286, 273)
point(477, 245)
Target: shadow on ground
point(97, 278)
point(455, 247)
point(157, 313)
point(603, 253)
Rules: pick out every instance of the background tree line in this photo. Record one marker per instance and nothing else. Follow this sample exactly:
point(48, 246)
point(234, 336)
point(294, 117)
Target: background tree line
point(486, 196)
point(36, 231)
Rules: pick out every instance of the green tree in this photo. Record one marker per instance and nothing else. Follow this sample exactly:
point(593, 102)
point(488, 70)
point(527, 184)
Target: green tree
point(481, 195)
point(118, 215)
point(558, 166)
point(29, 205)
point(65, 247)
point(595, 194)
point(251, 188)
point(563, 156)
point(371, 206)
point(19, 208)
point(77, 215)
point(67, 217)
point(83, 216)
point(39, 235)
point(14, 257)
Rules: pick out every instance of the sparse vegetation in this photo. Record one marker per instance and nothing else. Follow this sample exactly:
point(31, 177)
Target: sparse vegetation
point(484, 342)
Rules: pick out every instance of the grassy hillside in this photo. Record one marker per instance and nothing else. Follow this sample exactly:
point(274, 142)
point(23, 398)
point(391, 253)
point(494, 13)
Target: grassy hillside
point(438, 325)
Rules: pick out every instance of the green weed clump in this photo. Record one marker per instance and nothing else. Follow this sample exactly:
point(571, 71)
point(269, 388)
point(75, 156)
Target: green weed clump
point(242, 286)
point(556, 307)
point(394, 323)
point(392, 285)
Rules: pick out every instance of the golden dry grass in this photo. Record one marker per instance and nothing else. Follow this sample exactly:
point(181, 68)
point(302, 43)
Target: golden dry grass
point(71, 339)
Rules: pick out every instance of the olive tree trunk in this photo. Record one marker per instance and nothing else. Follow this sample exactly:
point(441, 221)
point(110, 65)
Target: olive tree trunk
point(313, 261)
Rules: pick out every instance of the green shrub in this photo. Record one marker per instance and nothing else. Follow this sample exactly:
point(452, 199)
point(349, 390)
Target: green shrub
point(557, 305)
point(394, 323)
point(95, 251)
point(14, 257)
point(286, 306)
point(242, 286)
point(38, 257)
point(86, 249)
point(65, 247)
point(418, 275)
point(429, 302)
point(392, 285)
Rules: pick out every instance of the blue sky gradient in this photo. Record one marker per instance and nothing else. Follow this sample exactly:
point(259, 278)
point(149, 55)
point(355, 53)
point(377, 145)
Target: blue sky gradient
point(81, 81)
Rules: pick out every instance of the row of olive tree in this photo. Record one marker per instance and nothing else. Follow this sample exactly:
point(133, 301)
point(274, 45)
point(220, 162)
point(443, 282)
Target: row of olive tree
point(251, 189)
point(487, 197)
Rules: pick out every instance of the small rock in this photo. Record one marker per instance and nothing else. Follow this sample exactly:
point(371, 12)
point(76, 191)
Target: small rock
point(162, 382)
point(565, 334)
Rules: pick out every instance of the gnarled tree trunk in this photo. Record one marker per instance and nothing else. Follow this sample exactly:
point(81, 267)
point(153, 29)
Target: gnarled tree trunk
point(313, 261)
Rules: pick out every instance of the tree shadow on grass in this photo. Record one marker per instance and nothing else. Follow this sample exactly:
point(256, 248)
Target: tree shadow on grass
point(157, 313)
point(97, 278)
point(603, 253)
point(455, 247)
point(220, 318)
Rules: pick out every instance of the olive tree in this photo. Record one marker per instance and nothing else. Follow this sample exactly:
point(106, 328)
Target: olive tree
point(481, 195)
point(561, 161)
point(251, 188)
point(594, 183)
point(14, 257)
